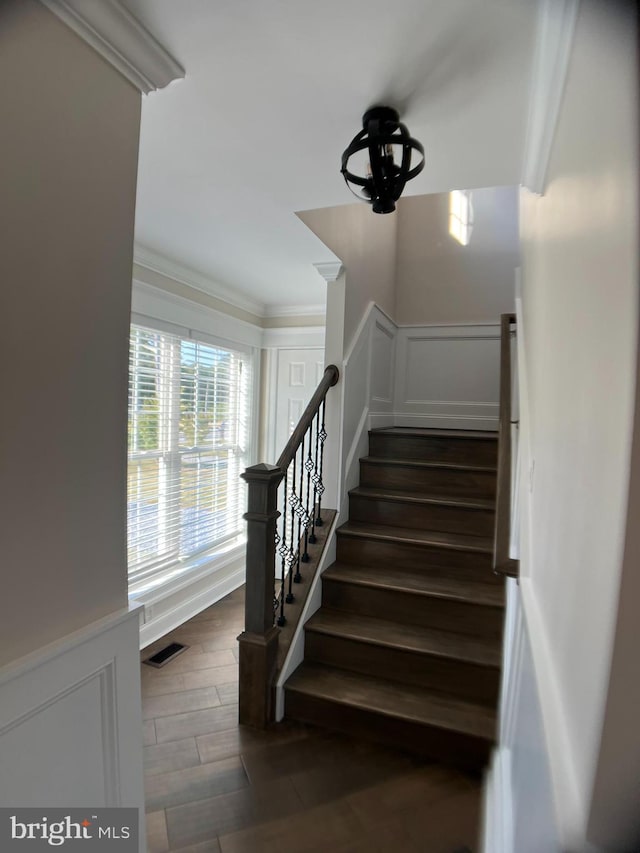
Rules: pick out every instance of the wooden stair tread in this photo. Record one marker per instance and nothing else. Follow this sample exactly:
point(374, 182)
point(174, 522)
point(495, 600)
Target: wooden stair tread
point(422, 498)
point(458, 541)
point(412, 638)
point(418, 582)
point(423, 432)
point(388, 698)
point(421, 465)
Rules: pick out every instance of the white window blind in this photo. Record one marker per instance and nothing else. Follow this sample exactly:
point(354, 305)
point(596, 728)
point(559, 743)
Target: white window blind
point(189, 418)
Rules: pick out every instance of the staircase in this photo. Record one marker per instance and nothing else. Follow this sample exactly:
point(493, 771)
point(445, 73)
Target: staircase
point(406, 647)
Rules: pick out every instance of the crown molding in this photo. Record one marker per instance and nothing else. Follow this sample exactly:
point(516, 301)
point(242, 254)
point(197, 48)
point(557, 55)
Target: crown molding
point(554, 41)
point(121, 39)
point(329, 271)
point(185, 275)
point(294, 311)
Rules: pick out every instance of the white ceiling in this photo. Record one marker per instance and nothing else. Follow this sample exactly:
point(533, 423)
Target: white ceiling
point(275, 90)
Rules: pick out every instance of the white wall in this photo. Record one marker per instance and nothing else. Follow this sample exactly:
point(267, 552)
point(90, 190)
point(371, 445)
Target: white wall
point(438, 280)
point(70, 717)
point(365, 242)
point(580, 310)
point(67, 180)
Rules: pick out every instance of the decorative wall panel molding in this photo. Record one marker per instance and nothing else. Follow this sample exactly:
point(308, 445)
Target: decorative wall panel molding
point(71, 720)
point(383, 340)
point(448, 376)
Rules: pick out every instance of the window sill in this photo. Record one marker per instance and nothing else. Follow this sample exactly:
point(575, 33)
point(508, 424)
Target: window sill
point(182, 575)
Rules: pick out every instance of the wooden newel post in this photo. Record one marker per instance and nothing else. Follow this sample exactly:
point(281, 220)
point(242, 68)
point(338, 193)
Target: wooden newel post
point(259, 640)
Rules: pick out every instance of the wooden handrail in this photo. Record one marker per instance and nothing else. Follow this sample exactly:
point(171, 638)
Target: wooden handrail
point(330, 378)
point(502, 562)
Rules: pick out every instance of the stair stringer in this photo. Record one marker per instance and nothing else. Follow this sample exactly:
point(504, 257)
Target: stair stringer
point(364, 405)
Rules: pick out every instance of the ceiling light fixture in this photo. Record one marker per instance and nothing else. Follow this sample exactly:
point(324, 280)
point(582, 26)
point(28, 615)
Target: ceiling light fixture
point(385, 179)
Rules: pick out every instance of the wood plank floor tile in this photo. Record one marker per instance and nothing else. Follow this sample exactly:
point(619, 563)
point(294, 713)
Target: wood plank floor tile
point(196, 723)
point(205, 819)
point(203, 660)
point(223, 641)
point(195, 783)
point(335, 779)
point(157, 839)
point(216, 787)
point(211, 677)
point(449, 824)
point(228, 693)
point(242, 739)
point(162, 684)
point(225, 814)
point(170, 704)
point(413, 790)
point(211, 846)
point(388, 838)
point(148, 732)
point(167, 757)
point(319, 829)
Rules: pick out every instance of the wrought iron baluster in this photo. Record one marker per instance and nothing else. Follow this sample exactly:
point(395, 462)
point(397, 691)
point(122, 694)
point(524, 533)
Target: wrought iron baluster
point(309, 467)
point(314, 479)
point(322, 435)
point(299, 511)
point(293, 501)
point(290, 596)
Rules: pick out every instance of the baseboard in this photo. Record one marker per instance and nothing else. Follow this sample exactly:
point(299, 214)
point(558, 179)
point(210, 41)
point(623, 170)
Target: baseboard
point(380, 420)
point(167, 614)
point(497, 815)
point(446, 421)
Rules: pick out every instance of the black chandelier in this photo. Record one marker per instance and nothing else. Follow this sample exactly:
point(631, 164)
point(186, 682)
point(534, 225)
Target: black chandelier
point(385, 179)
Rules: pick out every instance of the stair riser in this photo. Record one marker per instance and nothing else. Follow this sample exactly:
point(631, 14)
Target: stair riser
point(460, 750)
point(460, 678)
point(379, 553)
point(450, 519)
point(429, 611)
point(441, 481)
point(464, 451)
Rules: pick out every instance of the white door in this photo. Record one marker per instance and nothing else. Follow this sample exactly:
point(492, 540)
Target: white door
point(298, 374)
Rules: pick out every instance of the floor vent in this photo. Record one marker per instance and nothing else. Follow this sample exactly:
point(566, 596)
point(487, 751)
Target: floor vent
point(165, 655)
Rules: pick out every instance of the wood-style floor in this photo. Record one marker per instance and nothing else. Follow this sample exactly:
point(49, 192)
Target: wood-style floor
point(214, 787)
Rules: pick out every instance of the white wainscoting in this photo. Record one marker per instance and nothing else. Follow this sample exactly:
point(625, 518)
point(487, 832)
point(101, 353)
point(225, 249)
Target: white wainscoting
point(71, 721)
point(448, 377)
point(519, 812)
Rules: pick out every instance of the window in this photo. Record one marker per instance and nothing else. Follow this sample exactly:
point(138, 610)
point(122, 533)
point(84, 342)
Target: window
point(461, 216)
point(189, 418)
